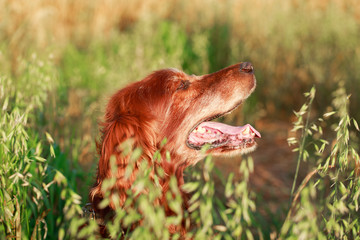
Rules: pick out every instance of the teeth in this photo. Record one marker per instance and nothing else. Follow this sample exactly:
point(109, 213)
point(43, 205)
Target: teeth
point(208, 131)
point(252, 134)
point(246, 131)
point(201, 130)
point(195, 131)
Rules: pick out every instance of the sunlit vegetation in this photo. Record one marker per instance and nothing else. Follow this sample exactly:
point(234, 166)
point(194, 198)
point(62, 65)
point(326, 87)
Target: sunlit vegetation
point(61, 60)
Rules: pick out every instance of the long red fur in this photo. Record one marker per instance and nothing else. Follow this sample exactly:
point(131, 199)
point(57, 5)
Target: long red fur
point(166, 104)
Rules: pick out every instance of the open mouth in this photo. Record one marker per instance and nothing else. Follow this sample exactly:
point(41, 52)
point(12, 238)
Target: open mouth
point(222, 137)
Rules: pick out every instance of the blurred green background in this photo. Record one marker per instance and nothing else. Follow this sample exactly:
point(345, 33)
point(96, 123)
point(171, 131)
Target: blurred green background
point(65, 58)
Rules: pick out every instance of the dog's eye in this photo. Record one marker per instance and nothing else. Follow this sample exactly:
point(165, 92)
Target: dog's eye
point(184, 84)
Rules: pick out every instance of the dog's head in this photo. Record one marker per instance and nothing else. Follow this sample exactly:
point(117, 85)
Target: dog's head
point(173, 105)
point(179, 107)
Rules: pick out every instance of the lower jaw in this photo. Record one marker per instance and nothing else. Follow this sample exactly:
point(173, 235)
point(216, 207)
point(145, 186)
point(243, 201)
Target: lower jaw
point(232, 151)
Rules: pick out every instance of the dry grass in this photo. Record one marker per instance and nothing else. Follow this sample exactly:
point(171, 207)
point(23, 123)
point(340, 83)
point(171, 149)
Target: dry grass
point(60, 21)
point(279, 37)
point(56, 23)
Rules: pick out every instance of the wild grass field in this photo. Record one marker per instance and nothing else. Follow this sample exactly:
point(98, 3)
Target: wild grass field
point(60, 61)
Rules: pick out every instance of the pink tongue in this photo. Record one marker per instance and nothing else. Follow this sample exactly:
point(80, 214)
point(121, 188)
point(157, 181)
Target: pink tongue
point(227, 129)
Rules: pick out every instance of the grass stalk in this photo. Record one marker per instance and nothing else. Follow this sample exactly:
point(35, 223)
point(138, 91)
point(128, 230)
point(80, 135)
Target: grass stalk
point(304, 135)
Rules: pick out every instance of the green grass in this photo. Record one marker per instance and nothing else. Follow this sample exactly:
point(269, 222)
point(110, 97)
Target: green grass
point(52, 98)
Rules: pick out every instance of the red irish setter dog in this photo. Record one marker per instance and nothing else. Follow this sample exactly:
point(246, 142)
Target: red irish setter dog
point(179, 107)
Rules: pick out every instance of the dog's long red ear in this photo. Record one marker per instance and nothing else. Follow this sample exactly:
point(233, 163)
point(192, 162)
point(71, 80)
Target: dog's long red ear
point(113, 134)
point(117, 131)
point(126, 118)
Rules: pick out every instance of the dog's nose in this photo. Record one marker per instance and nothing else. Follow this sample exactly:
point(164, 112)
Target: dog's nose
point(246, 67)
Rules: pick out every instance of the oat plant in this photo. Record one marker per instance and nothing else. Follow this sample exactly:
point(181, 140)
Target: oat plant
point(325, 205)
